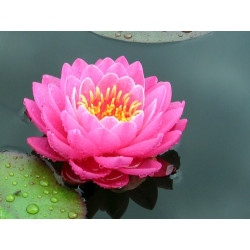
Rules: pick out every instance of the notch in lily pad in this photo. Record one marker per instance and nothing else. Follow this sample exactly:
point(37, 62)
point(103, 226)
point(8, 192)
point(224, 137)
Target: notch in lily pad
point(29, 190)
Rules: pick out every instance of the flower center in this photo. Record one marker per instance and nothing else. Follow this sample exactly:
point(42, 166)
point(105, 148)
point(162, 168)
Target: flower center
point(111, 104)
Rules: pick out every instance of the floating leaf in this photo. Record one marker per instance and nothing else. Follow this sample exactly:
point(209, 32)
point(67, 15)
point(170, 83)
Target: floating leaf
point(29, 190)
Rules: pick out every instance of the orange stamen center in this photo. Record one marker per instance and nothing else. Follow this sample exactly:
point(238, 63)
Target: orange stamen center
point(111, 104)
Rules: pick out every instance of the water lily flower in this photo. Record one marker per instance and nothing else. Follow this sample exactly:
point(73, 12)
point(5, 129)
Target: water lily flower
point(105, 121)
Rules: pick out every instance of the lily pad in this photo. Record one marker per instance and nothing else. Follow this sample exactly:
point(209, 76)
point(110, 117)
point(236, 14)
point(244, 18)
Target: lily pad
point(29, 190)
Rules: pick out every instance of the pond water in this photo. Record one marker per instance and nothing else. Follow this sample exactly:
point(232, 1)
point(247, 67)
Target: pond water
point(211, 73)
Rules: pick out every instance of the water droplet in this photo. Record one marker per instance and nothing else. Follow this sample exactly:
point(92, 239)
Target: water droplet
point(62, 210)
point(26, 175)
point(25, 185)
point(14, 157)
point(180, 35)
point(44, 183)
point(51, 208)
point(37, 176)
point(72, 215)
point(117, 34)
point(10, 197)
point(25, 195)
point(39, 196)
point(44, 215)
point(14, 183)
point(32, 209)
point(11, 174)
point(21, 169)
point(32, 183)
point(6, 178)
point(53, 200)
point(128, 36)
point(7, 165)
point(46, 192)
point(55, 192)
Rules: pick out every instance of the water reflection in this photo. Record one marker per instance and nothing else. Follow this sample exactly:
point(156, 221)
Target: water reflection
point(115, 202)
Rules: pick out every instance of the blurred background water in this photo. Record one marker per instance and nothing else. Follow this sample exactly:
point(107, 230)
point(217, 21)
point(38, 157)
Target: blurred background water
point(211, 73)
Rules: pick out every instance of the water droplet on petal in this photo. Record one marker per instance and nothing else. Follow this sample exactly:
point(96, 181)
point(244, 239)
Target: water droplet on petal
point(72, 215)
point(32, 209)
point(10, 197)
point(44, 183)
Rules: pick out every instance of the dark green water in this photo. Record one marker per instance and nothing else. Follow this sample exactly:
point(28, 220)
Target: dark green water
point(212, 73)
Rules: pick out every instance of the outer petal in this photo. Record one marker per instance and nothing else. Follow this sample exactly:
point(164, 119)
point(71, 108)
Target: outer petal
point(105, 140)
point(41, 95)
point(145, 168)
point(181, 125)
point(34, 114)
point(53, 123)
point(141, 148)
point(42, 147)
point(78, 66)
point(62, 148)
point(57, 99)
point(47, 79)
point(118, 69)
point(71, 83)
point(69, 175)
point(150, 82)
point(168, 142)
point(66, 71)
point(126, 131)
point(88, 169)
point(113, 180)
point(123, 61)
point(82, 144)
point(105, 64)
point(166, 169)
point(135, 71)
point(114, 162)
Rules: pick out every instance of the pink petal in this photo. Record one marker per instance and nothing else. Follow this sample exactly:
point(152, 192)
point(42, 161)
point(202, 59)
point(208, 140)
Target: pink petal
point(170, 118)
point(135, 71)
point(114, 162)
point(88, 169)
point(159, 94)
point(123, 61)
point(138, 120)
point(82, 144)
point(78, 66)
point(70, 123)
point(105, 64)
point(174, 105)
point(71, 83)
point(86, 86)
point(41, 95)
point(34, 114)
point(69, 175)
point(114, 180)
point(181, 125)
point(126, 131)
point(118, 69)
point(137, 94)
point(42, 147)
point(150, 82)
point(141, 148)
point(57, 99)
point(151, 129)
point(53, 123)
point(125, 84)
point(69, 108)
point(105, 140)
point(66, 71)
point(109, 122)
point(149, 112)
point(88, 121)
point(145, 168)
point(98, 62)
point(92, 72)
point(63, 149)
point(108, 81)
point(168, 142)
point(47, 79)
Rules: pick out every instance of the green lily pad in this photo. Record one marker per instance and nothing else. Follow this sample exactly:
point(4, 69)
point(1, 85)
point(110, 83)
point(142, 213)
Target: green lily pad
point(29, 190)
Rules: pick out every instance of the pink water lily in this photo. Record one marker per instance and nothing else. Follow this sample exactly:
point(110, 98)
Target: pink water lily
point(105, 121)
